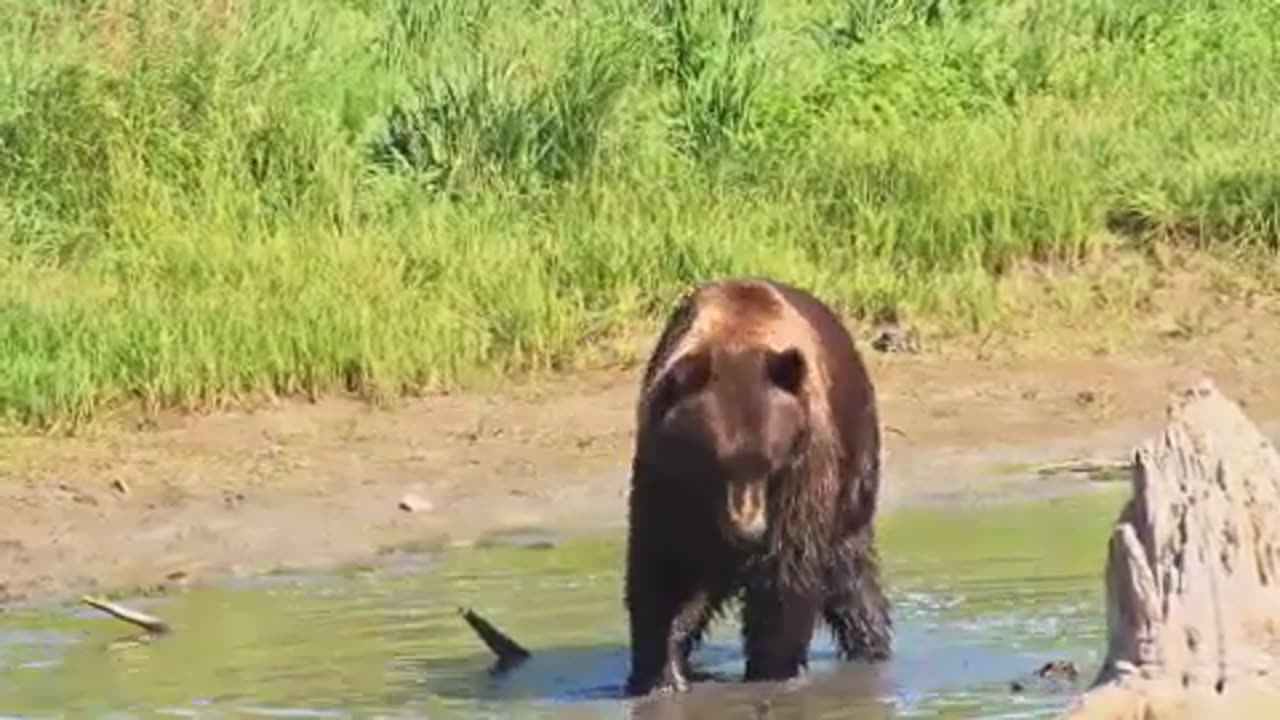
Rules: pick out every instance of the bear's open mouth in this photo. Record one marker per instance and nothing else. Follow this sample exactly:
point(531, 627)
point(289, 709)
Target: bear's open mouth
point(748, 518)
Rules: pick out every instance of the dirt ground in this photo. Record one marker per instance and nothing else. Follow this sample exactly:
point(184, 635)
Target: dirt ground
point(195, 497)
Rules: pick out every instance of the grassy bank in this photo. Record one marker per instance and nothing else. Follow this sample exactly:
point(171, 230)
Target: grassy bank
point(207, 199)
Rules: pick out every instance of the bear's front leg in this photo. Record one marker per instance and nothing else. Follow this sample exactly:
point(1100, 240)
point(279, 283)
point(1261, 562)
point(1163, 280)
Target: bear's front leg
point(777, 625)
point(662, 608)
point(856, 607)
point(660, 624)
point(686, 622)
point(650, 610)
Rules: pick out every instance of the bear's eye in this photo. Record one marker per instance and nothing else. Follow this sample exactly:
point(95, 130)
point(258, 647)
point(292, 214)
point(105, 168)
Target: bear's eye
point(688, 375)
point(786, 369)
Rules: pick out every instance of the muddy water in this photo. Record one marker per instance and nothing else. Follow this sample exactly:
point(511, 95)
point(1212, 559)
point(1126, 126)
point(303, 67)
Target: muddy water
point(984, 595)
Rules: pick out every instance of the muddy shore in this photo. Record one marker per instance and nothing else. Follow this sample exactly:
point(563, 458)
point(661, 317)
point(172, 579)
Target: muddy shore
point(301, 485)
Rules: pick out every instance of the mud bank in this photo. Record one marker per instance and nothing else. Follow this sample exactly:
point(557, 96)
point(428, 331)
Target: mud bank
point(301, 485)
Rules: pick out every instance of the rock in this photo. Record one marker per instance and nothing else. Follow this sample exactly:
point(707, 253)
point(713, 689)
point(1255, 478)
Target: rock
point(1046, 677)
point(1193, 603)
point(120, 486)
point(414, 503)
point(892, 337)
point(1064, 669)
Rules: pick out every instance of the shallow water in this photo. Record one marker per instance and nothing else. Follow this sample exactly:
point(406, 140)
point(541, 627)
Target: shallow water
point(983, 596)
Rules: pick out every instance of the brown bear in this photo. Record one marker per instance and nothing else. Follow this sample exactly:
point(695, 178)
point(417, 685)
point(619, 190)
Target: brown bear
point(755, 476)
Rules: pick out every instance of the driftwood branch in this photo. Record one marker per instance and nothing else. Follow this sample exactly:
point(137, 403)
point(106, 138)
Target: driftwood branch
point(150, 623)
point(1192, 578)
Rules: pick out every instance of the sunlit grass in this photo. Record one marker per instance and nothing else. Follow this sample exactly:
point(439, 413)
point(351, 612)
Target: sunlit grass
point(200, 201)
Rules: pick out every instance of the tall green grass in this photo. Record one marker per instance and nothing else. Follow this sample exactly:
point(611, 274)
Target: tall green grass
point(208, 199)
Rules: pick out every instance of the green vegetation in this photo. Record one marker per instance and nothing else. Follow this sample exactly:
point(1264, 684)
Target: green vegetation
point(207, 200)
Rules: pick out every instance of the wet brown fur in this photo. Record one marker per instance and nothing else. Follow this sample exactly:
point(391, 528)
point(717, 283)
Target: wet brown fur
point(818, 557)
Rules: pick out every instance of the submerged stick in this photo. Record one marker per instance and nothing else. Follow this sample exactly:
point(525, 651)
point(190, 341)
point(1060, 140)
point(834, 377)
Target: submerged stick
point(508, 651)
point(147, 622)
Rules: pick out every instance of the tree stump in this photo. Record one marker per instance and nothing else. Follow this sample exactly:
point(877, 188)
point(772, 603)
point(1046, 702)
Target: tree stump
point(1193, 592)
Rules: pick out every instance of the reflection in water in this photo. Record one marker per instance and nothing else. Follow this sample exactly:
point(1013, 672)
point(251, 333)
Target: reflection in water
point(982, 596)
point(850, 692)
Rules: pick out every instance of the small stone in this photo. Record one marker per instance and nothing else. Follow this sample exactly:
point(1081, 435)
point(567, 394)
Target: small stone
point(415, 503)
point(1059, 668)
point(892, 337)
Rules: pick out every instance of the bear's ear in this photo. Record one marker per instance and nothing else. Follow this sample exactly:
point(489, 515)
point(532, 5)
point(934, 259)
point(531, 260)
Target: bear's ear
point(786, 369)
point(686, 376)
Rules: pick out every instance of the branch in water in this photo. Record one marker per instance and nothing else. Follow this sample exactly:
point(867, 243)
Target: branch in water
point(147, 622)
point(509, 652)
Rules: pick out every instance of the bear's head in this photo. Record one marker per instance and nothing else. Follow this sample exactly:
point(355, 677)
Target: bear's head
point(730, 423)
